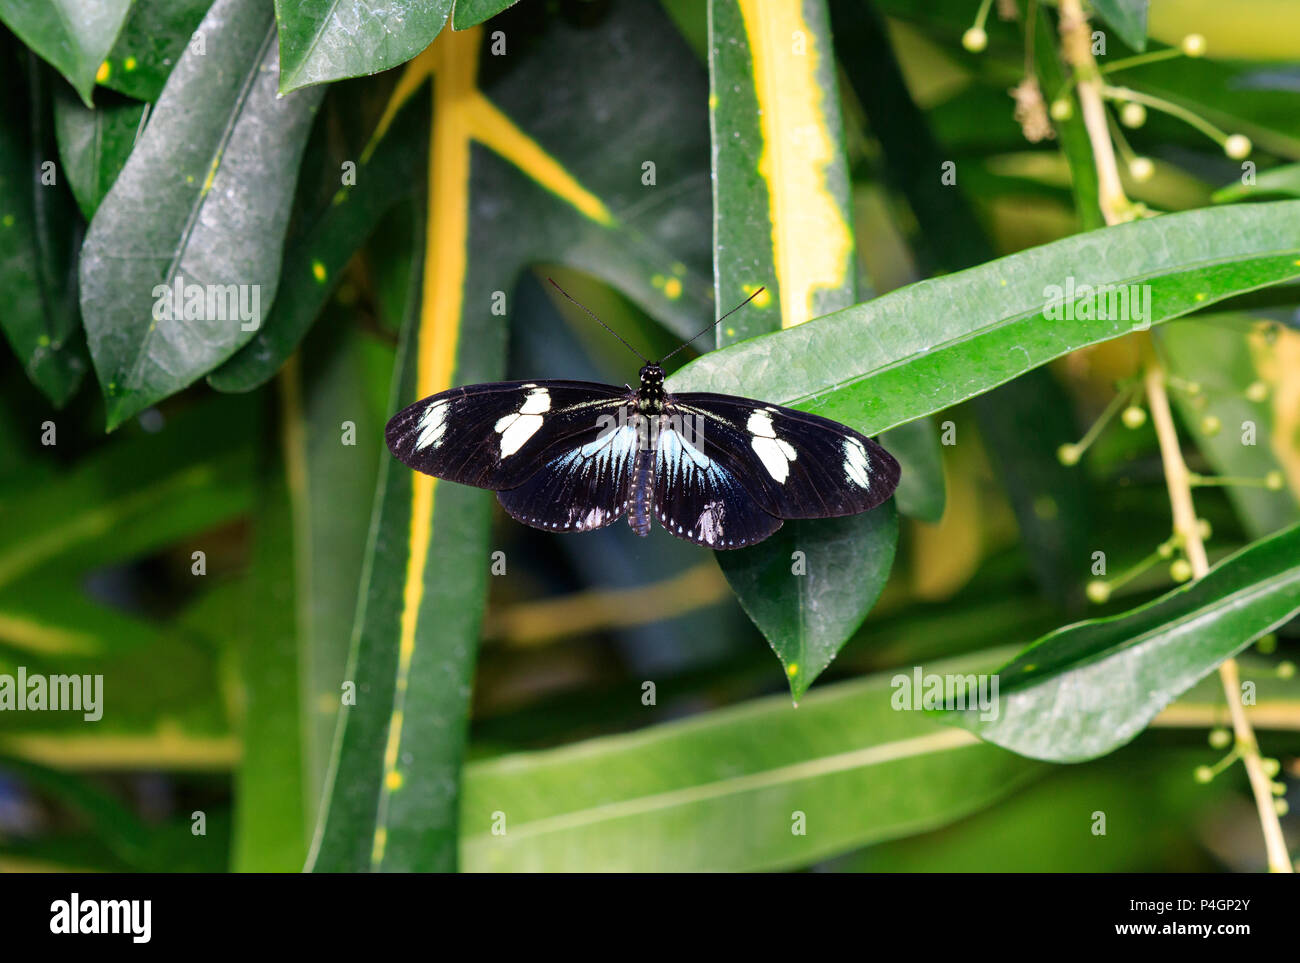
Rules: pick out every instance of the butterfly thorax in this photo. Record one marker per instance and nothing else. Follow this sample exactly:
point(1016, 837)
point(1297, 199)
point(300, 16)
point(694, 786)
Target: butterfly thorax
point(650, 395)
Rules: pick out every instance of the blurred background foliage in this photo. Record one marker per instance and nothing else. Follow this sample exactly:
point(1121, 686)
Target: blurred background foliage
point(228, 561)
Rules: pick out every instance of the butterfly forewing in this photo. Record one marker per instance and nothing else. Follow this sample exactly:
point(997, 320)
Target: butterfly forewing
point(793, 464)
point(499, 435)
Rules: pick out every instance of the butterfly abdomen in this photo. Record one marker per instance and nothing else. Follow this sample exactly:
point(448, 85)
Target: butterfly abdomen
point(642, 494)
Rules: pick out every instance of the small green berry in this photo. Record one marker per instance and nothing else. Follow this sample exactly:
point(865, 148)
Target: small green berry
point(1133, 115)
point(1238, 146)
point(1181, 570)
point(1134, 417)
point(1098, 592)
point(975, 39)
point(1141, 168)
point(1220, 738)
point(1203, 774)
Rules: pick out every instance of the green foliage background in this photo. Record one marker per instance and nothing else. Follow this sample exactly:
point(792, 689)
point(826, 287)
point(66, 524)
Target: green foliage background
point(318, 655)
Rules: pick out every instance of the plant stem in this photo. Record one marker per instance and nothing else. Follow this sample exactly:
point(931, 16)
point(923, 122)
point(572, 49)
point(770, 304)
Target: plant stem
point(1076, 46)
point(1178, 480)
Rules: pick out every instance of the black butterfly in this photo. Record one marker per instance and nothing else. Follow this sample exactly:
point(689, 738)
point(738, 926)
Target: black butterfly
point(572, 456)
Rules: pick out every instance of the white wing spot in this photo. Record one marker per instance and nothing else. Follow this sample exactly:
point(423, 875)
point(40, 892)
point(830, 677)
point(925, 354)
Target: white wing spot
point(775, 453)
point(433, 425)
point(855, 463)
point(518, 428)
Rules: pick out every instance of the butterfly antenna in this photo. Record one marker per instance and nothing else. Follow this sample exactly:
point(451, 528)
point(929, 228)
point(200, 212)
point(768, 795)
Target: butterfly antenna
point(598, 321)
point(714, 324)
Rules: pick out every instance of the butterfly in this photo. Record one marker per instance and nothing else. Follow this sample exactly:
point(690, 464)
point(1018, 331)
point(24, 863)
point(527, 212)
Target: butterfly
point(572, 456)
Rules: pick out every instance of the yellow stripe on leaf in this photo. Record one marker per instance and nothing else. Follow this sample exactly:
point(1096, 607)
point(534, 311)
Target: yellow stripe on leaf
point(455, 59)
point(812, 245)
point(498, 132)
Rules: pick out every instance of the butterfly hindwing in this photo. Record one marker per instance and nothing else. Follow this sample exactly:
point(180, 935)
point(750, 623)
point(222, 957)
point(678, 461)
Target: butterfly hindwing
point(701, 499)
point(499, 435)
point(793, 464)
point(583, 487)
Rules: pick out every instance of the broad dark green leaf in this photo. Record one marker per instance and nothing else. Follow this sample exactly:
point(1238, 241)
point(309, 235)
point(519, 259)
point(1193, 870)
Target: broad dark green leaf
point(317, 254)
point(202, 203)
point(921, 493)
point(39, 236)
point(1128, 17)
point(1087, 689)
point(327, 40)
point(722, 791)
point(152, 40)
point(808, 587)
point(788, 229)
point(94, 144)
point(470, 13)
point(932, 344)
point(73, 35)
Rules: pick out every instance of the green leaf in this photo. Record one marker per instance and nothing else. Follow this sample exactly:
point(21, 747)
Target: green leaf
point(717, 792)
point(1075, 145)
point(392, 802)
point(1153, 810)
point(73, 35)
point(135, 496)
point(1087, 689)
point(1023, 424)
point(94, 144)
point(1128, 17)
point(114, 823)
point(151, 42)
point(392, 789)
point(317, 255)
point(788, 230)
point(1217, 356)
point(327, 40)
point(1019, 425)
point(810, 585)
point(334, 427)
point(1283, 180)
point(38, 239)
point(202, 202)
point(921, 494)
point(470, 13)
point(930, 345)
point(272, 801)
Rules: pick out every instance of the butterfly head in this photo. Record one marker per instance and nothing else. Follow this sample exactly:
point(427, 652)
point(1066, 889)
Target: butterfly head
point(652, 383)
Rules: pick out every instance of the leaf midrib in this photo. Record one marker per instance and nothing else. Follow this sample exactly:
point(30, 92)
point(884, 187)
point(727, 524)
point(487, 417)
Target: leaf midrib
point(1246, 594)
point(1007, 320)
point(941, 741)
point(205, 191)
